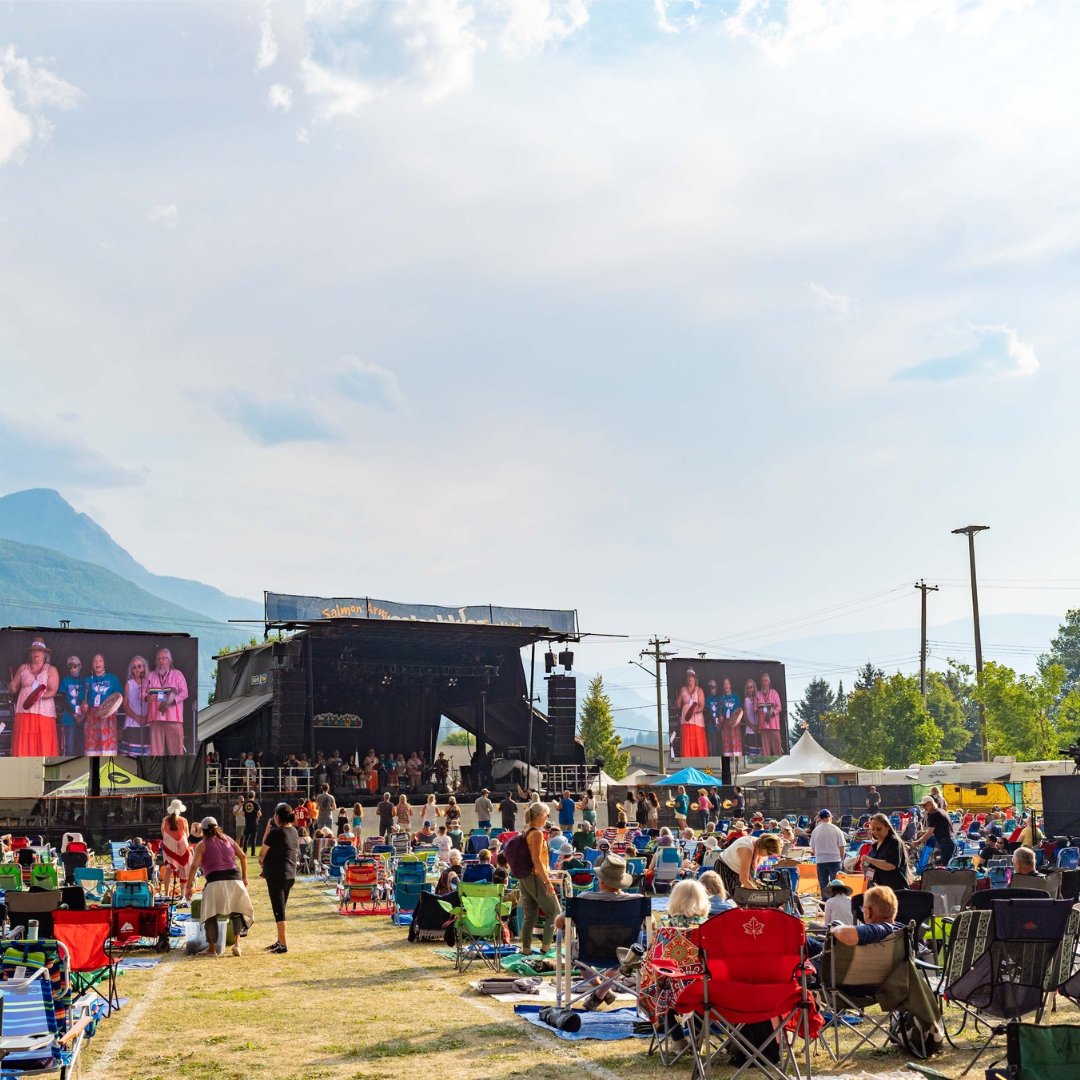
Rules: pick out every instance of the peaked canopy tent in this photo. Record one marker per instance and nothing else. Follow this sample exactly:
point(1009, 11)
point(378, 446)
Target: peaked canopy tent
point(115, 780)
point(807, 758)
point(689, 778)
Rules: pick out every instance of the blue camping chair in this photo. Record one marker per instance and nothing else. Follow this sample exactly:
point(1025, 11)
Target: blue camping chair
point(667, 869)
point(999, 875)
point(642, 842)
point(593, 856)
point(636, 869)
point(409, 882)
point(118, 849)
point(1068, 858)
point(340, 854)
point(91, 879)
point(478, 841)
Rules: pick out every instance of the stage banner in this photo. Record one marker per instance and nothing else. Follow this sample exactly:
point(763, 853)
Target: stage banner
point(285, 608)
point(726, 708)
point(97, 692)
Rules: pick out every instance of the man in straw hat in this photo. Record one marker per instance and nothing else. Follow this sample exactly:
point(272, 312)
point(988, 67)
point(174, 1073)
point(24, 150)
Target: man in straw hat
point(612, 879)
point(35, 684)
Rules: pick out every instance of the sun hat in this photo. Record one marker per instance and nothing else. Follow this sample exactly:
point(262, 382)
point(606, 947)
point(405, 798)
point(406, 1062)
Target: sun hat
point(836, 885)
point(612, 872)
point(711, 843)
point(37, 643)
point(559, 845)
point(175, 807)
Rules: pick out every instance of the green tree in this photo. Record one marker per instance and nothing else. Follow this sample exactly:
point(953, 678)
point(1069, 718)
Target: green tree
point(960, 679)
point(1065, 650)
point(841, 698)
point(949, 713)
point(868, 675)
point(596, 728)
point(886, 726)
point(1026, 715)
point(457, 738)
point(817, 701)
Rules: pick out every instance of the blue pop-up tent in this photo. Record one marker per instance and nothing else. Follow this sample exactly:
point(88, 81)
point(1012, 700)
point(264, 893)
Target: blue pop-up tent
point(689, 778)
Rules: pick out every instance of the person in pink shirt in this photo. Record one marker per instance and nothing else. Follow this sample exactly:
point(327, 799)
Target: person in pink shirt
point(768, 707)
point(691, 706)
point(166, 692)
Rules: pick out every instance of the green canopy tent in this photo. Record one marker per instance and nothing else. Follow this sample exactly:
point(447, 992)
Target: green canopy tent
point(115, 780)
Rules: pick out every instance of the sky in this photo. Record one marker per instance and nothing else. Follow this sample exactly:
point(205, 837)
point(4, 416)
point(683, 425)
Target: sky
point(706, 319)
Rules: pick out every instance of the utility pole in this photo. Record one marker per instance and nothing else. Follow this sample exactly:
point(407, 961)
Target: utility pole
point(657, 654)
point(969, 531)
point(924, 589)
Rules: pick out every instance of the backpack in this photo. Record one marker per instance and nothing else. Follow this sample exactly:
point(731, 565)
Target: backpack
point(519, 856)
point(915, 1036)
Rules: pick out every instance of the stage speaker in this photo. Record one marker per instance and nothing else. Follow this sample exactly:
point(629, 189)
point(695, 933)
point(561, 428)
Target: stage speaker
point(562, 719)
point(1061, 805)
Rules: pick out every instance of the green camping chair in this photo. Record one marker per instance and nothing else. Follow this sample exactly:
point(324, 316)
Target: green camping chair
point(11, 877)
point(43, 876)
point(1038, 1052)
point(478, 928)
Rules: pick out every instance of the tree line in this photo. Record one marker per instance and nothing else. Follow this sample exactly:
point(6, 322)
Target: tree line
point(884, 723)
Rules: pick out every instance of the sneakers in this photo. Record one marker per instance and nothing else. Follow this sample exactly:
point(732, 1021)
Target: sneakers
point(277, 949)
point(236, 949)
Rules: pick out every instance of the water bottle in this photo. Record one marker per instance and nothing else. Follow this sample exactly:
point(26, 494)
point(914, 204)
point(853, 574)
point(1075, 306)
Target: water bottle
point(32, 930)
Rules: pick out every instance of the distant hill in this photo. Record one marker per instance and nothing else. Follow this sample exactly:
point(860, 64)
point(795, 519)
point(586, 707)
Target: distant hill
point(42, 517)
point(39, 587)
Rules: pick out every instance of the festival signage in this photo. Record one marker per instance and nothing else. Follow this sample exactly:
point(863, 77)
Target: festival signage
point(286, 608)
point(726, 708)
point(98, 693)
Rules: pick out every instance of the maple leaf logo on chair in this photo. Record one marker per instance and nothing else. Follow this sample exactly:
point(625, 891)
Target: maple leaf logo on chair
point(754, 926)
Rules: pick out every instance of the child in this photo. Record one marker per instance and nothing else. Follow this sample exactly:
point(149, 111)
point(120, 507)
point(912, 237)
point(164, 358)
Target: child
point(714, 886)
point(443, 843)
point(838, 904)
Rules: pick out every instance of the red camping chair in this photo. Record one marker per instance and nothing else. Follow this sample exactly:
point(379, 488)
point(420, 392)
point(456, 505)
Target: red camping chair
point(755, 973)
point(86, 937)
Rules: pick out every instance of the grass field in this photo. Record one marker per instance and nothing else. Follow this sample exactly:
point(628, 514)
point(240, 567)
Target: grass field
point(353, 1000)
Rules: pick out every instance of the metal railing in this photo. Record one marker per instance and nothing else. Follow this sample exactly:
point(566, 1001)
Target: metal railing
point(236, 779)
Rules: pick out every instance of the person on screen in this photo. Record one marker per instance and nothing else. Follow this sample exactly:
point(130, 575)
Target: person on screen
point(132, 737)
point(731, 721)
point(99, 732)
point(712, 719)
point(170, 687)
point(691, 706)
point(768, 707)
point(35, 683)
point(71, 693)
point(751, 739)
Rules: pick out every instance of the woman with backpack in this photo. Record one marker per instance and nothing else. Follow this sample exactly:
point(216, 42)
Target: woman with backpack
point(529, 861)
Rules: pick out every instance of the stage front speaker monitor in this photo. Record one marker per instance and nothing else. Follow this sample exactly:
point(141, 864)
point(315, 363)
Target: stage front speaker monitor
point(1061, 805)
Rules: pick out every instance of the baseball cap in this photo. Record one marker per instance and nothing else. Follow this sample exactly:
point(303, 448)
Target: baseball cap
point(824, 812)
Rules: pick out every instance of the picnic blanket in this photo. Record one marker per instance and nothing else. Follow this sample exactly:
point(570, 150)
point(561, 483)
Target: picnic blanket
point(137, 963)
point(607, 1026)
point(545, 996)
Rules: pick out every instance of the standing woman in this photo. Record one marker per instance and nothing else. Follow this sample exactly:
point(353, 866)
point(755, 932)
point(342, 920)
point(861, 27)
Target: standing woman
point(641, 810)
point(35, 684)
point(403, 813)
point(886, 863)
point(357, 819)
point(175, 847)
point(278, 858)
point(750, 722)
point(134, 731)
point(537, 893)
point(225, 894)
point(654, 811)
point(431, 812)
point(587, 806)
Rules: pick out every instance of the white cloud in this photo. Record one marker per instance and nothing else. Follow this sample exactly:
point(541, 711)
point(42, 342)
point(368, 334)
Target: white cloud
point(359, 52)
point(674, 16)
point(533, 24)
point(268, 48)
point(992, 351)
point(781, 28)
point(280, 97)
point(369, 384)
point(27, 89)
point(167, 215)
point(303, 135)
point(833, 303)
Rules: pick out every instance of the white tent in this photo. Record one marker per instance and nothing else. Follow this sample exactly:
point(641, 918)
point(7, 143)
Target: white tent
point(807, 758)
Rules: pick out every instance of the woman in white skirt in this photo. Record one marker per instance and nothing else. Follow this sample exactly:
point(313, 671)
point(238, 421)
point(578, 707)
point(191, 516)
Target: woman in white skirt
point(225, 894)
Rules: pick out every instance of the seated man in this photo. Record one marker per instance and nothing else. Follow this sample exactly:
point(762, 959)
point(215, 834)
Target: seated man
point(584, 836)
point(879, 912)
point(139, 856)
point(994, 848)
point(1024, 864)
point(426, 835)
point(479, 871)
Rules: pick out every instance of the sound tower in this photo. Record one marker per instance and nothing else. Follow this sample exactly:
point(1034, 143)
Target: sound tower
point(1061, 805)
point(562, 719)
point(288, 711)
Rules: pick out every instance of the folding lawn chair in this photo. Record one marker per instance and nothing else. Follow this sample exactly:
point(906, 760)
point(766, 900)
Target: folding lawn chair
point(429, 920)
point(43, 1028)
point(1034, 1052)
point(999, 875)
point(1050, 885)
point(1029, 946)
point(855, 978)
point(38, 904)
point(11, 879)
point(595, 925)
point(478, 927)
point(1068, 858)
point(953, 888)
point(118, 851)
point(92, 958)
point(360, 886)
point(340, 855)
point(409, 882)
point(72, 861)
point(752, 994)
point(91, 879)
point(137, 874)
point(478, 841)
point(43, 875)
point(671, 962)
point(668, 868)
point(399, 841)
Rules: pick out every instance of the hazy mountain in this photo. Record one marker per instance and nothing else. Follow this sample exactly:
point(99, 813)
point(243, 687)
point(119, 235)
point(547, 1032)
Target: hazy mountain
point(41, 516)
point(39, 587)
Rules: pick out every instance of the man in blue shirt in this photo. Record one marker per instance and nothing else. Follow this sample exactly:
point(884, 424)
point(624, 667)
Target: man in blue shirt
point(879, 910)
point(712, 719)
point(567, 808)
point(71, 693)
